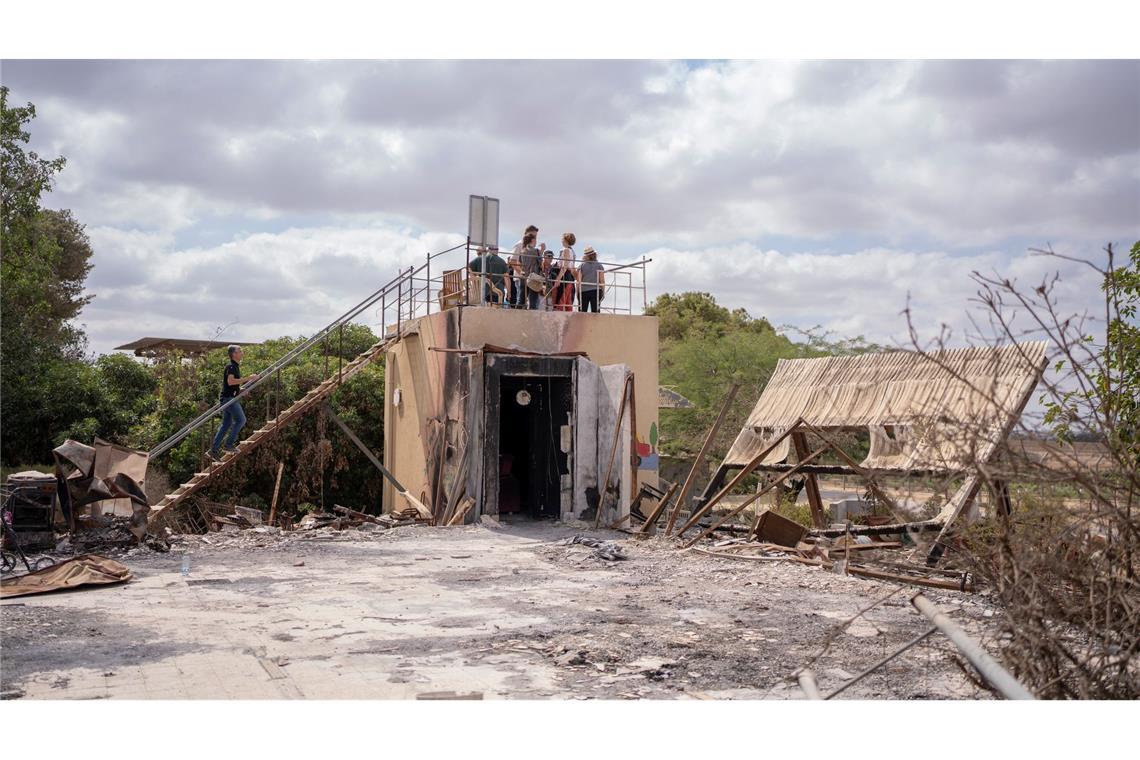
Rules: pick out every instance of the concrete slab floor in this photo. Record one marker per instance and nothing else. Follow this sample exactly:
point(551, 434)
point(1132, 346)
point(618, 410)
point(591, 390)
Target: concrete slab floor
point(506, 613)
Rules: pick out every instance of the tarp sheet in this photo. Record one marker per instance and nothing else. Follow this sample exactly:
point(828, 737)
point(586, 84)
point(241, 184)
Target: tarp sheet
point(84, 570)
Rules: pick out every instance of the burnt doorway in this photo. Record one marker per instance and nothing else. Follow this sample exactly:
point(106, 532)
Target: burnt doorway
point(529, 406)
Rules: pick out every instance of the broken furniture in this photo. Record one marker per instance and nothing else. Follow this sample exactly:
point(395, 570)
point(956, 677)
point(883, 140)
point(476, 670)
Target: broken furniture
point(29, 508)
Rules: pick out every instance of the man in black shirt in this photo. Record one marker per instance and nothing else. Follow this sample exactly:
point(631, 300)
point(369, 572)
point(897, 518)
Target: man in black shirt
point(233, 417)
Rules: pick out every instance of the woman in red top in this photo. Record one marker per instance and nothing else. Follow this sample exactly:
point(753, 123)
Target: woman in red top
point(562, 298)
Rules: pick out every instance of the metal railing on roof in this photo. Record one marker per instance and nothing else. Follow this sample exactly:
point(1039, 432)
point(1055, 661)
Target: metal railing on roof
point(411, 294)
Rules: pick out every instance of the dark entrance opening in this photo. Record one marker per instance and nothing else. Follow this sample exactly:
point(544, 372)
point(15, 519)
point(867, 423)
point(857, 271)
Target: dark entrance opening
point(529, 402)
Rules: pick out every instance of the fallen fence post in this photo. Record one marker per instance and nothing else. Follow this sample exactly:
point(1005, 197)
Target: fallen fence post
point(995, 674)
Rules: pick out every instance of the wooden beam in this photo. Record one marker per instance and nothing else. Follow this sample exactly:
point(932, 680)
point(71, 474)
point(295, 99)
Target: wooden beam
point(740, 508)
point(276, 491)
point(867, 477)
point(708, 505)
point(459, 485)
point(812, 485)
point(438, 506)
point(690, 478)
point(634, 459)
point(419, 506)
point(963, 584)
point(880, 530)
point(613, 453)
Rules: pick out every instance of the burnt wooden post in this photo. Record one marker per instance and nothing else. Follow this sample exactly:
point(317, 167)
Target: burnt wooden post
point(799, 441)
point(689, 480)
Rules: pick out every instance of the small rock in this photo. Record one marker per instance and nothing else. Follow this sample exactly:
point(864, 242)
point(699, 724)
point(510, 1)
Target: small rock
point(299, 564)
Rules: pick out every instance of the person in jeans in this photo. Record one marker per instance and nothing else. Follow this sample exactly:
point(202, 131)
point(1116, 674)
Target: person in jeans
point(233, 417)
point(518, 279)
point(531, 258)
point(591, 280)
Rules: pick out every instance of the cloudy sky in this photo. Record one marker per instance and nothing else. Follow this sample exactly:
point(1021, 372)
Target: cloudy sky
point(268, 196)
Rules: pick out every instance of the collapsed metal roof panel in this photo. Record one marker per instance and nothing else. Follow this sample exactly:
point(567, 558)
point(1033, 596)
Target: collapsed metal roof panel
point(934, 410)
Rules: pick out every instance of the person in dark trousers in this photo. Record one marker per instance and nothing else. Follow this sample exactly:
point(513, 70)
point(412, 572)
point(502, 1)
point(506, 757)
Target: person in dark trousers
point(518, 281)
point(591, 280)
point(533, 281)
point(494, 271)
point(565, 276)
point(233, 417)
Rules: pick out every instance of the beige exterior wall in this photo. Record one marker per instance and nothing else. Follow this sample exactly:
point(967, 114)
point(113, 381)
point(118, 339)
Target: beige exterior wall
point(432, 384)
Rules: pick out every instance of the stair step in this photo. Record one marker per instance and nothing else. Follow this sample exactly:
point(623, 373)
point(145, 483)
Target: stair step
point(286, 416)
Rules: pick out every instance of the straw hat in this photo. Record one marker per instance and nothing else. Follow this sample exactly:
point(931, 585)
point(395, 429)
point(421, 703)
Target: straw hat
point(589, 251)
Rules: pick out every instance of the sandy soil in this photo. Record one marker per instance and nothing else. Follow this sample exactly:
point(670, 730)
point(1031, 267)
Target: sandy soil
point(500, 613)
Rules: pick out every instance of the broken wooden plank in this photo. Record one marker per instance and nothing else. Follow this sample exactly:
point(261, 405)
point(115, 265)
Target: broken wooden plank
point(462, 512)
point(744, 471)
point(357, 515)
point(691, 477)
point(276, 492)
point(965, 584)
point(613, 453)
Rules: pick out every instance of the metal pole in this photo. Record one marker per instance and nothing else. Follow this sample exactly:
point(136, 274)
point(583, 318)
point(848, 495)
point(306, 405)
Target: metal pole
point(913, 642)
point(466, 269)
point(363, 448)
point(644, 297)
point(808, 684)
point(995, 674)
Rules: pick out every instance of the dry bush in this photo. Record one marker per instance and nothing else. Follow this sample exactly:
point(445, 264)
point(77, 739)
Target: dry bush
point(1062, 562)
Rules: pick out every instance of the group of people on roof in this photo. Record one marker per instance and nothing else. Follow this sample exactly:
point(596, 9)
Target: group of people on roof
point(532, 277)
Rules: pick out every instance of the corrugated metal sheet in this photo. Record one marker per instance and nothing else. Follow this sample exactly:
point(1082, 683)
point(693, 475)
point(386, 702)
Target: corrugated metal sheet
point(924, 412)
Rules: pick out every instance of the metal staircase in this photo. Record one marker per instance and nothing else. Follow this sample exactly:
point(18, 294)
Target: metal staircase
point(409, 294)
point(299, 407)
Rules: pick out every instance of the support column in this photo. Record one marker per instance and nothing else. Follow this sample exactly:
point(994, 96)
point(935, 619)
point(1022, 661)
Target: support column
point(811, 485)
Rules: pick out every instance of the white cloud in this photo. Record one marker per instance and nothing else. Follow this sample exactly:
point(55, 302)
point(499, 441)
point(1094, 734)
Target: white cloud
point(808, 192)
point(864, 292)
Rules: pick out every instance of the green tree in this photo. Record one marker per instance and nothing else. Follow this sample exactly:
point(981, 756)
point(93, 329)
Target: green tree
point(1106, 401)
point(45, 261)
point(321, 465)
point(704, 348)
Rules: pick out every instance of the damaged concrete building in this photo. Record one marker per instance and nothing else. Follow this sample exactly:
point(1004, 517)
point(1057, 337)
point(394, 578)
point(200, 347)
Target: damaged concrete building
point(524, 410)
